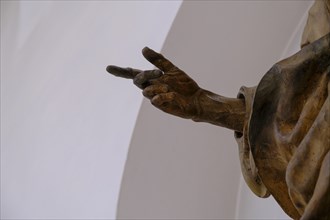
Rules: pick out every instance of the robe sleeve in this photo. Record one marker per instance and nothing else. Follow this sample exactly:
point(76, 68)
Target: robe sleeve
point(248, 168)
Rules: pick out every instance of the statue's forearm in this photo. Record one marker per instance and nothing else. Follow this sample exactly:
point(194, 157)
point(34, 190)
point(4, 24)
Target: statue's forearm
point(219, 110)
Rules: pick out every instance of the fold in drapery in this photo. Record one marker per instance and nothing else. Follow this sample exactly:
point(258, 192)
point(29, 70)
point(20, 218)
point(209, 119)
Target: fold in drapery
point(286, 136)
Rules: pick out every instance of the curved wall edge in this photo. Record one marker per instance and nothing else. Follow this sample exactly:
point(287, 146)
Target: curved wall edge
point(65, 122)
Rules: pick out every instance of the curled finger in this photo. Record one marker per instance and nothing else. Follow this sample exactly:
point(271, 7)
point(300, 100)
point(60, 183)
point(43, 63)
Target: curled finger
point(141, 80)
point(163, 99)
point(153, 90)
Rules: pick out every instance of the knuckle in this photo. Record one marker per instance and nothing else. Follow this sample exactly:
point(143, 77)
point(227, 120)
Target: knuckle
point(147, 93)
point(156, 101)
point(171, 95)
point(156, 73)
point(163, 88)
point(138, 79)
point(141, 81)
point(137, 83)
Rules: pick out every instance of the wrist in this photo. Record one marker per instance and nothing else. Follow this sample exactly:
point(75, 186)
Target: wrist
point(197, 104)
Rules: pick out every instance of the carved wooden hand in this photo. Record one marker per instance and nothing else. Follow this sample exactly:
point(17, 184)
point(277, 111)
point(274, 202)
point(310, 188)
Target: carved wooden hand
point(174, 92)
point(169, 89)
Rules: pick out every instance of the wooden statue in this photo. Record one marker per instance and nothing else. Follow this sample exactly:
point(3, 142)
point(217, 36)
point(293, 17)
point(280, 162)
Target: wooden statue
point(282, 126)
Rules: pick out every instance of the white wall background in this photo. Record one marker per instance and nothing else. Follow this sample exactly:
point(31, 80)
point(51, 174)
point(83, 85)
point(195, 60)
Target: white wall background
point(66, 125)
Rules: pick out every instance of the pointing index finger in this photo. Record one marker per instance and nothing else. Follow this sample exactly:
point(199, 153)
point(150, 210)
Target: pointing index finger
point(157, 59)
point(128, 73)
